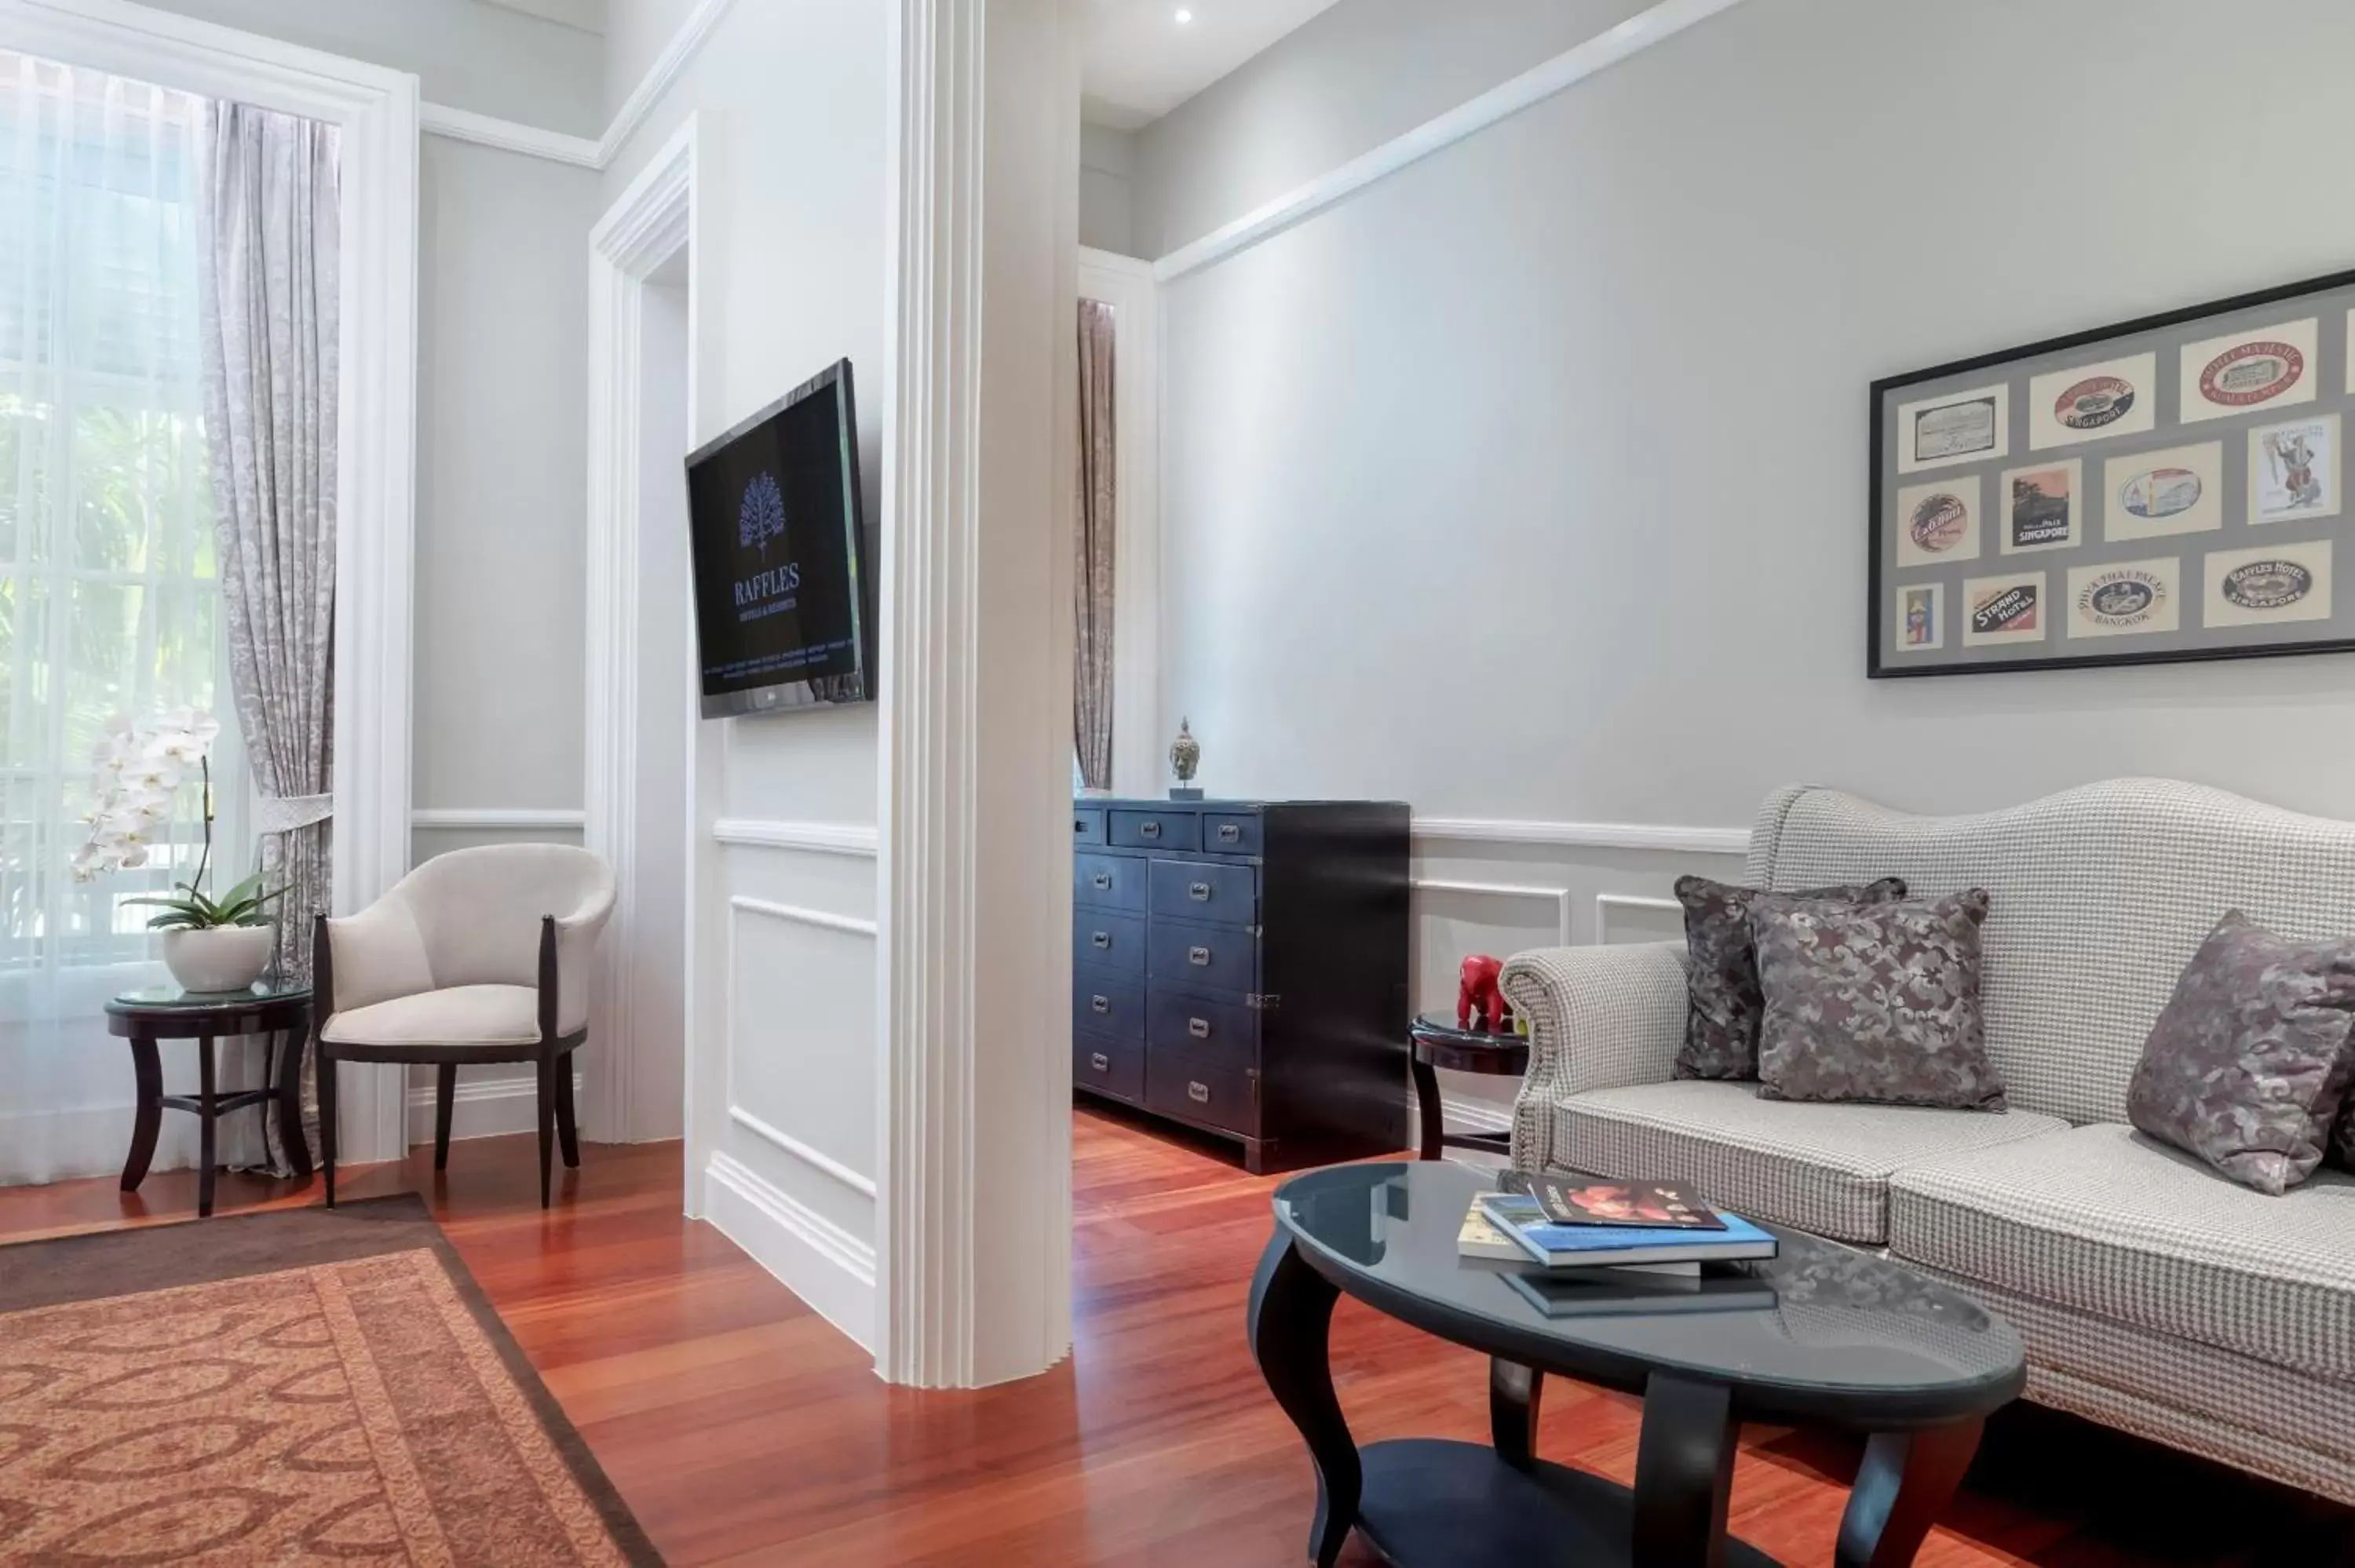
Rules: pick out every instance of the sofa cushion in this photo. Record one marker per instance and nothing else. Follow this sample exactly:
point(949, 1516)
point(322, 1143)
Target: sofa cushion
point(1874, 1003)
point(1724, 1003)
point(1820, 1167)
point(2104, 1220)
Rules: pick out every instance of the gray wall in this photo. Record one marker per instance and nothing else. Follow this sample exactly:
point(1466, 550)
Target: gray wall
point(1107, 188)
point(469, 55)
point(1529, 481)
point(1349, 80)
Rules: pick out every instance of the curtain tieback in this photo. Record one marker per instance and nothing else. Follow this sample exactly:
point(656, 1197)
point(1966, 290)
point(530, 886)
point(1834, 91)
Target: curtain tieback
point(284, 813)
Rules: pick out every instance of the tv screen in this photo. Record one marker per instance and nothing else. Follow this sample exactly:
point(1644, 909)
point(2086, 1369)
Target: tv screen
point(783, 612)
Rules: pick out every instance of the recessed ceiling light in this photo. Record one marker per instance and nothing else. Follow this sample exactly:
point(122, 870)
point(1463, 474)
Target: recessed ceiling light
point(1184, 16)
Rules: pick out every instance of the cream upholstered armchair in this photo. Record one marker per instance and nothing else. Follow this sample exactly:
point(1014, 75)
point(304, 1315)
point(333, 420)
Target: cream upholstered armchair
point(480, 955)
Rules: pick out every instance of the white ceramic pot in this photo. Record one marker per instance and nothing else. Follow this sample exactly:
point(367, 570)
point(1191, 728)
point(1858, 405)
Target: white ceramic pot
point(225, 958)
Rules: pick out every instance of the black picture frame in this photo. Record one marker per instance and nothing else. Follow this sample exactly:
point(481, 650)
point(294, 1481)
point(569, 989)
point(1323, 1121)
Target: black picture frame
point(1879, 476)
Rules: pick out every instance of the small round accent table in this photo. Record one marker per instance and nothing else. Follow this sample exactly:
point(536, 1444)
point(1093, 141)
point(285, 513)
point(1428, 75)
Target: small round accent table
point(283, 1012)
point(1439, 1044)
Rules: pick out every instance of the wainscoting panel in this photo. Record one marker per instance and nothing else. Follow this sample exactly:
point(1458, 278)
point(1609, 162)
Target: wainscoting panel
point(1499, 888)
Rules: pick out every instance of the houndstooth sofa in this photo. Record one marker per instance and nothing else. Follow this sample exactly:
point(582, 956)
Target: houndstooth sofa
point(2154, 1295)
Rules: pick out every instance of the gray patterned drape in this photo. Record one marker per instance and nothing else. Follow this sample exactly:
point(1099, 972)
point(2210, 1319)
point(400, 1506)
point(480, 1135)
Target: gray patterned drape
point(1092, 583)
point(270, 206)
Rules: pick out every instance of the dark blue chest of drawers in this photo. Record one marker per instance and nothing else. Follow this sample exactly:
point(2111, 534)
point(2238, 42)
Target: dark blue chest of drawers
point(1241, 966)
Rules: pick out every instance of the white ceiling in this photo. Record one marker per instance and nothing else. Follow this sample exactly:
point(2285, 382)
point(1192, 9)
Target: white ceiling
point(588, 15)
point(1139, 61)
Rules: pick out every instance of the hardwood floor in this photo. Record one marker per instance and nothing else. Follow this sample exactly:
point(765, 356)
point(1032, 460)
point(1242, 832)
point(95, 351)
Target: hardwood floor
point(744, 1430)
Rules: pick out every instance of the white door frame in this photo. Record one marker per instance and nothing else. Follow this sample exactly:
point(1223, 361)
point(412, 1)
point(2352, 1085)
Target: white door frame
point(376, 436)
point(652, 222)
point(1125, 283)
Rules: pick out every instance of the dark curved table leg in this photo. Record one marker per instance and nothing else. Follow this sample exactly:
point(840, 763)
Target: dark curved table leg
point(147, 1069)
point(1291, 1315)
point(1684, 1473)
point(1906, 1483)
point(208, 1124)
point(1434, 1116)
point(291, 1044)
point(1514, 1393)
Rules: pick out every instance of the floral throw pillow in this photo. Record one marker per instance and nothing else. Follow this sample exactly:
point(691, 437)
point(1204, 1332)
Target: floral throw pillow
point(1875, 1002)
point(1721, 1020)
point(2249, 1062)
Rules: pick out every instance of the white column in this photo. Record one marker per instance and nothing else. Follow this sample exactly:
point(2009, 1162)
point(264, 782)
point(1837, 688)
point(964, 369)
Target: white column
point(974, 1260)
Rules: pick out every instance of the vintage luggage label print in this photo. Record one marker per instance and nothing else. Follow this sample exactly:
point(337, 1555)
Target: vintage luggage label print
point(1998, 610)
point(2267, 585)
point(1921, 618)
point(2151, 495)
point(2269, 369)
point(2091, 402)
point(2294, 470)
point(1953, 428)
point(1938, 522)
point(2123, 599)
point(2040, 507)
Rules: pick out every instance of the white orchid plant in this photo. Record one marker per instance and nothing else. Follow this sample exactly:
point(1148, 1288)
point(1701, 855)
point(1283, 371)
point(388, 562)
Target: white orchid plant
point(140, 769)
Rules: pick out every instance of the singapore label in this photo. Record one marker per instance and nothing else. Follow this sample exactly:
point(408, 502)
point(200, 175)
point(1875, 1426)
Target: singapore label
point(2123, 599)
point(2092, 402)
point(2153, 495)
point(2268, 585)
point(2040, 507)
point(2003, 610)
point(1938, 522)
point(2271, 367)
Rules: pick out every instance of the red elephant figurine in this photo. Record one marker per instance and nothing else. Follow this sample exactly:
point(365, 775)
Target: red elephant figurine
point(1477, 996)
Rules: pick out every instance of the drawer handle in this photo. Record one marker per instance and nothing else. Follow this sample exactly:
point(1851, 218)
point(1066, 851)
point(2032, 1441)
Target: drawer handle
point(1103, 880)
point(1230, 833)
point(1100, 1062)
point(1148, 830)
point(1101, 1003)
point(1198, 1093)
point(1101, 939)
point(1078, 824)
point(1199, 1028)
point(1201, 891)
point(1201, 956)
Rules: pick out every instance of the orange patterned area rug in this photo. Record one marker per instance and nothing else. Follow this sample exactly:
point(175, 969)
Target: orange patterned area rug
point(288, 1388)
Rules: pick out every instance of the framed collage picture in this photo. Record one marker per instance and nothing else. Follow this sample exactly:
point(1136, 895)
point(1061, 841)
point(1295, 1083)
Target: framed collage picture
point(2166, 489)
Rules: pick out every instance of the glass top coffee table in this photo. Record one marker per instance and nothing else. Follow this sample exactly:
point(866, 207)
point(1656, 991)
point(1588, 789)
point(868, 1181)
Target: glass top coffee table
point(1822, 1336)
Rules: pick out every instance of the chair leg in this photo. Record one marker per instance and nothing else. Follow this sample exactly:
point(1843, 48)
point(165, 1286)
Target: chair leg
point(548, 1066)
point(568, 1130)
point(327, 1124)
point(445, 1098)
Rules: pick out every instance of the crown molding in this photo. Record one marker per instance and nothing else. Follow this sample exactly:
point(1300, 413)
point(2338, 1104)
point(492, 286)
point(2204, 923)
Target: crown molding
point(510, 136)
point(699, 24)
point(1572, 66)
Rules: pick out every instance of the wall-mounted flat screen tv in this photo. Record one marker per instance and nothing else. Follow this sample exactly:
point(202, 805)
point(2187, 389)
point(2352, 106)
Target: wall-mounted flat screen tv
point(785, 611)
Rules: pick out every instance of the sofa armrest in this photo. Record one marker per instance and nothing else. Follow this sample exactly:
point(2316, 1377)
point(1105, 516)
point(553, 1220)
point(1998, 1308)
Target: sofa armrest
point(1600, 1018)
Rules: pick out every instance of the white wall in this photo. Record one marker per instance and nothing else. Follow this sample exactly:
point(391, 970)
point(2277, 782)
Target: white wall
point(1527, 482)
point(790, 273)
point(1107, 186)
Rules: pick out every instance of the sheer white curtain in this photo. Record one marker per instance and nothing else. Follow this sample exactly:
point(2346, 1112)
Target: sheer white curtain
point(109, 599)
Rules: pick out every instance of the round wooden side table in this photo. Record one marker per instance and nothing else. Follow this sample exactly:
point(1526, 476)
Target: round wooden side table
point(1438, 1043)
point(166, 1012)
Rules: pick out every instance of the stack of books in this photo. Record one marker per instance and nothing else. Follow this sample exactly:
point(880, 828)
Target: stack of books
point(1642, 1244)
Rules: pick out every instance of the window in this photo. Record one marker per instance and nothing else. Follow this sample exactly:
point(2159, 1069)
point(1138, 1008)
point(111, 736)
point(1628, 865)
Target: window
point(109, 599)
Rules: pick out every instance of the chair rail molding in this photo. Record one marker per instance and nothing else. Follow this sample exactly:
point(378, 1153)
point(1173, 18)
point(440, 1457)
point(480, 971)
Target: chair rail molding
point(973, 1208)
point(817, 838)
point(376, 112)
point(651, 223)
point(1582, 836)
point(497, 819)
point(1638, 33)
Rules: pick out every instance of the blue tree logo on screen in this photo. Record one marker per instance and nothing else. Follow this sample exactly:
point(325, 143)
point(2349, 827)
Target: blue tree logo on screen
point(763, 516)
